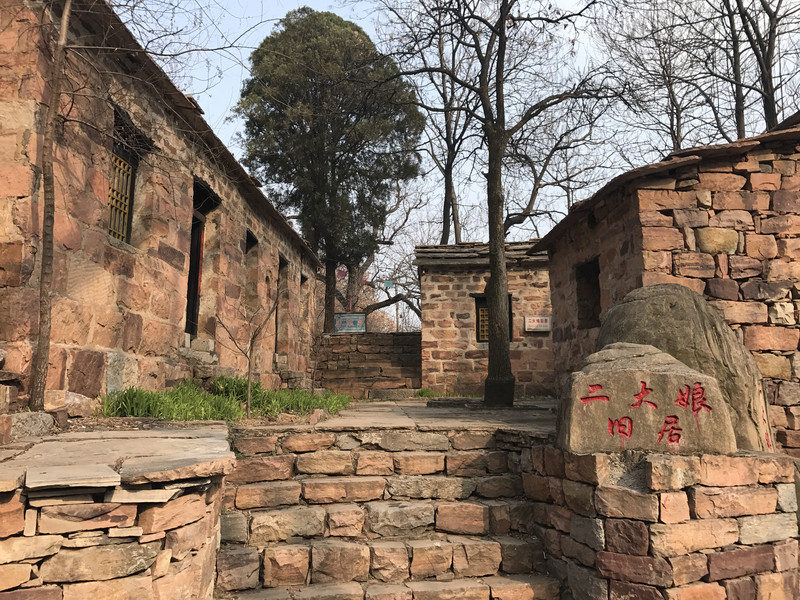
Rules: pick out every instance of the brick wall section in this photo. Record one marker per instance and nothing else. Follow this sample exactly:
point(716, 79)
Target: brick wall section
point(143, 541)
point(393, 505)
point(453, 361)
point(612, 236)
point(728, 228)
point(119, 308)
point(355, 364)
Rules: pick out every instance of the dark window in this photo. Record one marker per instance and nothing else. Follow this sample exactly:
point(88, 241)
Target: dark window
point(251, 264)
point(130, 145)
point(282, 307)
point(482, 318)
point(120, 192)
point(204, 201)
point(587, 292)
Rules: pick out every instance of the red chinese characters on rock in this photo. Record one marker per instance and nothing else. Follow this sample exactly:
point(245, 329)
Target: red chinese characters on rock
point(640, 397)
point(697, 396)
point(592, 389)
point(672, 430)
point(622, 426)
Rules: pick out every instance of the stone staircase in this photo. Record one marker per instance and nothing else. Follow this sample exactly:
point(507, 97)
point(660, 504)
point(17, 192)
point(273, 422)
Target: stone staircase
point(379, 515)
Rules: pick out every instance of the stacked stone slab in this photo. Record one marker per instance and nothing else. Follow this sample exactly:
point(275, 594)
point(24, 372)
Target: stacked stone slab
point(86, 531)
point(384, 514)
point(356, 364)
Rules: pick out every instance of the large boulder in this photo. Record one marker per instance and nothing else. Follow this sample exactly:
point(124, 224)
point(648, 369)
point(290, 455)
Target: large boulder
point(680, 322)
point(636, 397)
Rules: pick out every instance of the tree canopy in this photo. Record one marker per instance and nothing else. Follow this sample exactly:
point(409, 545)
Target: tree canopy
point(329, 126)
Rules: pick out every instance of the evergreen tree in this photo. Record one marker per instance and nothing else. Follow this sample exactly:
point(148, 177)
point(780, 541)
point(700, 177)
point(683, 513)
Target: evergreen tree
point(329, 126)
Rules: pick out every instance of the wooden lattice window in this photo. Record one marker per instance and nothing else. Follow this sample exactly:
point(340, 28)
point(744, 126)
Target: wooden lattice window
point(482, 331)
point(482, 317)
point(120, 196)
point(130, 144)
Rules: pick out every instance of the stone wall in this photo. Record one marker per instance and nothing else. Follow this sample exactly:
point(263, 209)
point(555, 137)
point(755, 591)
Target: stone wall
point(726, 226)
point(75, 530)
point(728, 229)
point(390, 513)
point(356, 364)
point(659, 527)
point(119, 309)
point(436, 514)
point(453, 361)
point(615, 242)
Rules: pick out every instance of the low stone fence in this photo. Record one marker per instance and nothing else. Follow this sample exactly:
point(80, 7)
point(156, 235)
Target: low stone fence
point(356, 364)
point(382, 513)
point(146, 529)
point(669, 527)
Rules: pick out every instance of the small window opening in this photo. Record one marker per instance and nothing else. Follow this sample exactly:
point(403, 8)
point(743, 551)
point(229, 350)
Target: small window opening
point(130, 145)
point(251, 264)
point(305, 296)
point(204, 201)
point(282, 307)
point(587, 279)
point(482, 318)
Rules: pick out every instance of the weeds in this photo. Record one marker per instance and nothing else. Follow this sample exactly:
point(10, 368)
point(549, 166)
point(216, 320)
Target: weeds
point(223, 401)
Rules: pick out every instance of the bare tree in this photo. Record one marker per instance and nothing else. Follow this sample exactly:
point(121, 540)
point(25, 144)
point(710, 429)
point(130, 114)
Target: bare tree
point(510, 87)
point(243, 339)
point(450, 134)
point(702, 71)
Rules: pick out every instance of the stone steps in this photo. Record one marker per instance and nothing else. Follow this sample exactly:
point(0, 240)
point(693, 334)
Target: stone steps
point(297, 562)
point(516, 587)
point(413, 510)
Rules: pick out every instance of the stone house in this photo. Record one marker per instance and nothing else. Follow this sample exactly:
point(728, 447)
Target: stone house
point(455, 317)
point(158, 229)
point(723, 221)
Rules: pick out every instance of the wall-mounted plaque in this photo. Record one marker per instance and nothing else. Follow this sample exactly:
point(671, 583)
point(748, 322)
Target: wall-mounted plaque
point(537, 323)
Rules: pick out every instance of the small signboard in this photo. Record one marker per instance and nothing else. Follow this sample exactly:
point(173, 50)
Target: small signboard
point(537, 323)
point(349, 323)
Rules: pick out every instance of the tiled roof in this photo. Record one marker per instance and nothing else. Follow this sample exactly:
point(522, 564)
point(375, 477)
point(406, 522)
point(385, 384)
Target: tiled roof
point(474, 254)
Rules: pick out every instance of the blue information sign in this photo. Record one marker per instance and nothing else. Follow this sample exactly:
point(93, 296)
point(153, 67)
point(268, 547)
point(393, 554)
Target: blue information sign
point(350, 323)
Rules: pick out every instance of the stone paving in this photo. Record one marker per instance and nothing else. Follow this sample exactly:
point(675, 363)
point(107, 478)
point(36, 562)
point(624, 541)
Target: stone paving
point(109, 458)
point(534, 418)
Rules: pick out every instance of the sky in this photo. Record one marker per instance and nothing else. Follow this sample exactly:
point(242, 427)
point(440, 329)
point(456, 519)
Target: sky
point(257, 19)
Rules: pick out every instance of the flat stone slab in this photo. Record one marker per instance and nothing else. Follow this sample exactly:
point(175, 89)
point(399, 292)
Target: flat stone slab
point(533, 418)
point(105, 459)
point(71, 476)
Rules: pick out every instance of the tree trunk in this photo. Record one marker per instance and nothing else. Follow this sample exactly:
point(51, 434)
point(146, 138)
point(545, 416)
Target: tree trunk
point(456, 218)
point(499, 387)
point(446, 205)
point(41, 357)
point(330, 294)
point(249, 377)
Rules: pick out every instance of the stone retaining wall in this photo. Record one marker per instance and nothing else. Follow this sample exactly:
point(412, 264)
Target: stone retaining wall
point(75, 531)
point(354, 364)
point(430, 515)
point(657, 527)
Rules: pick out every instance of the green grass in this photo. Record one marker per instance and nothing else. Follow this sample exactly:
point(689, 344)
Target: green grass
point(223, 401)
point(427, 393)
